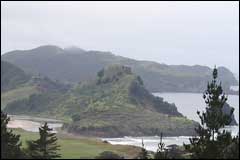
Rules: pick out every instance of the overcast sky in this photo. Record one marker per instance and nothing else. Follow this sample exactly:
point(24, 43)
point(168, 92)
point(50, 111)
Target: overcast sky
point(190, 33)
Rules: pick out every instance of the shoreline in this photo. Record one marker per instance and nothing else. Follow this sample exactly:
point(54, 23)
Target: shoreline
point(35, 118)
point(233, 93)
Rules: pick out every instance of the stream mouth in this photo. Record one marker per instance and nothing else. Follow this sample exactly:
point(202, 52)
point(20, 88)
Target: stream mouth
point(32, 124)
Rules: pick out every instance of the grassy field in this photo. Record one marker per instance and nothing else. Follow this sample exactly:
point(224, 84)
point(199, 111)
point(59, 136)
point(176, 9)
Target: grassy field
point(75, 147)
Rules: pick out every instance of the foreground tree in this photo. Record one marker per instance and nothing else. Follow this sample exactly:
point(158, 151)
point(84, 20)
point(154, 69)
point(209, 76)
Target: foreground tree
point(10, 143)
point(46, 146)
point(211, 141)
point(144, 153)
point(232, 151)
point(161, 153)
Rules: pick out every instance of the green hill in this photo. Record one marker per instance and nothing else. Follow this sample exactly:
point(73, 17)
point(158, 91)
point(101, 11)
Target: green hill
point(114, 104)
point(81, 65)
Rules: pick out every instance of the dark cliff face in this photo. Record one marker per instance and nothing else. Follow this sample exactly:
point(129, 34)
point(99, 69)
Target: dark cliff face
point(142, 97)
point(81, 65)
point(227, 109)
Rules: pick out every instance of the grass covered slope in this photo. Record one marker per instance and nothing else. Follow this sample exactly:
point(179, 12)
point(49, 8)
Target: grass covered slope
point(13, 84)
point(73, 147)
point(119, 105)
point(12, 76)
point(17, 86)
point(17, 94)
point(115, 104)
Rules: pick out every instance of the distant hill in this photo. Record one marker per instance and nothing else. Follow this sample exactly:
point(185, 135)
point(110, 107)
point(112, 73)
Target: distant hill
point(114, 104)
point(74, 65)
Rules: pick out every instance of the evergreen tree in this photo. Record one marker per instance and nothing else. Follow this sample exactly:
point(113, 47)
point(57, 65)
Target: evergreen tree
point(144, 153)
point(46, 146)
point(211, 140)
point(161, 153)
point(232, 151)
point(10, 143)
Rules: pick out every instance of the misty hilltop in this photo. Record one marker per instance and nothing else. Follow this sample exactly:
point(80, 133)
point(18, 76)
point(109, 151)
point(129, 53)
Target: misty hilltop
point(74, 64)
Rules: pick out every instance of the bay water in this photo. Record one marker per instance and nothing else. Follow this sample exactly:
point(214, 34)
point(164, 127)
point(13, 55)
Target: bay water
point(188, 104)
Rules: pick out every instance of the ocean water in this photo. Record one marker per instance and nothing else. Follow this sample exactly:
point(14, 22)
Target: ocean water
point(187, 104)
point(235, 88)
point(150, 143)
